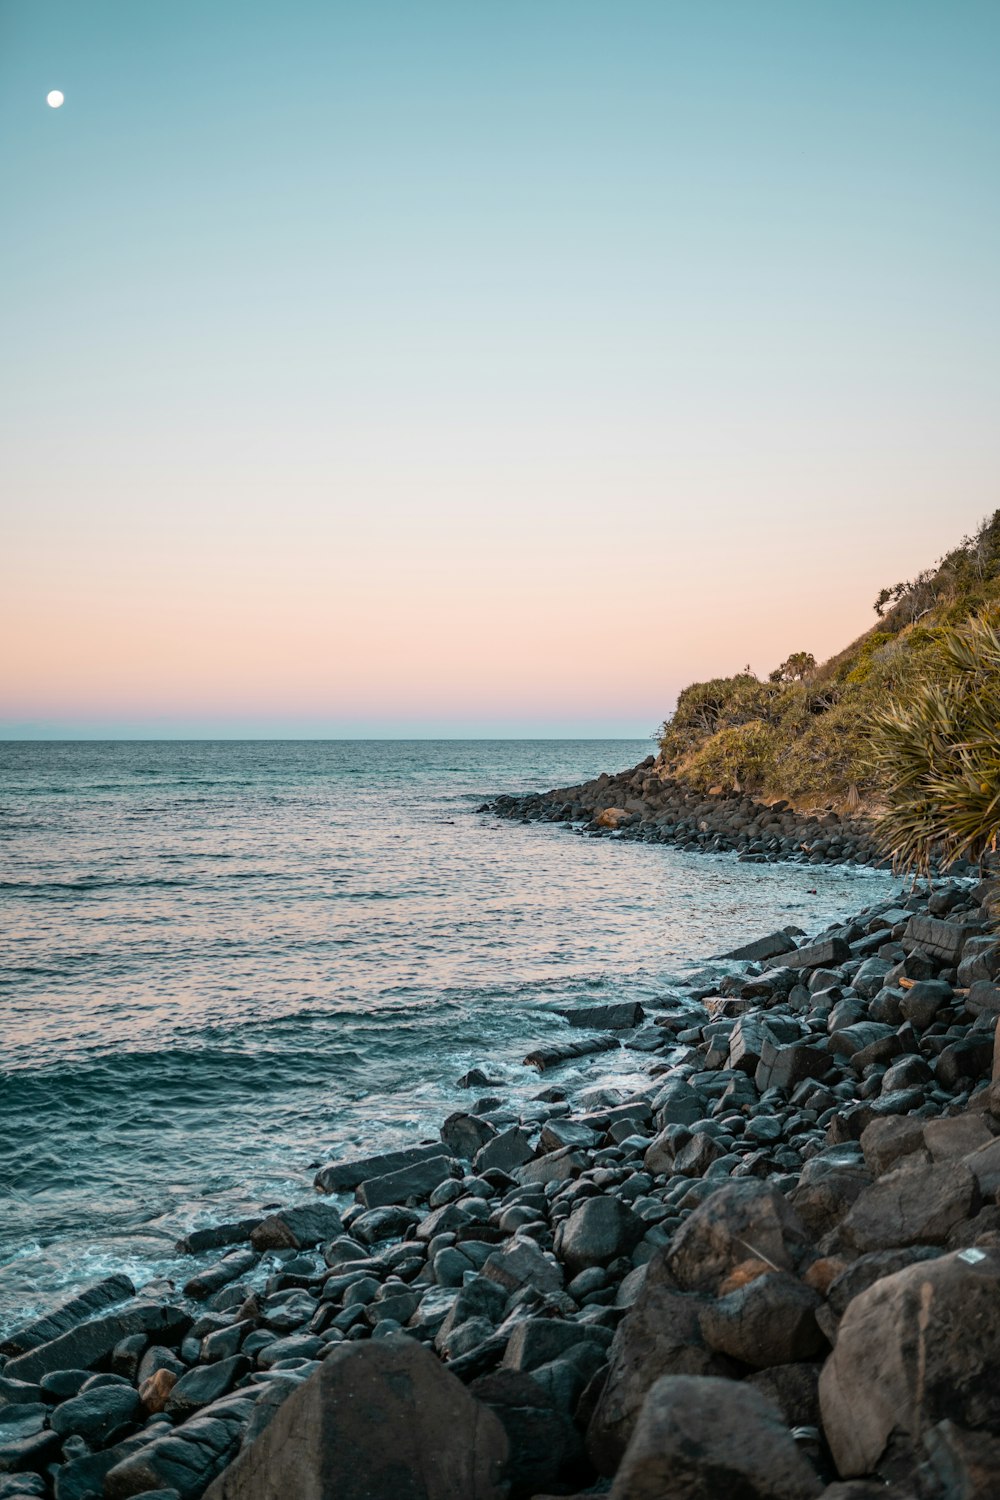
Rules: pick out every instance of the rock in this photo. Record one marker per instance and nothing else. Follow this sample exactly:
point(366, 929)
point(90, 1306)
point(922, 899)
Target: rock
point(699, 1438)
point(408, 1184)
point(771, 946)
point(956, 1137)
point(660, 1336)
point(560, 1135)
point(825, 954)
point(740, 1219)
point(521, 1263)
point(984, 1165)
point(782, 1067)
point(155, 1390)
point(346, 1176)
point(83, 1346)
point(970, 1057)
point(827, 1187)
point(598, 1231)
point(983, 999)
point(536, 1341)
point(217, 1236)
point(617, 1017)
point(68, 1315)
point(794, 1389)
point(83, 1478)
point(185, 1458)
point(966, 1464)
point(542, 1441)
point(980, 961)
point(677, 1104)
point(203, 1385)
point(942, 940)
point(94, 1414)
point(549, 1057)
point(298, 1227)
point(377, 1421)
point(922, 1001)
point(770, 1321)
point(554, 1166)
point(916, 1205)
point(886, 1142)
point(510, 1149)
point(465, 1134)
point(377, 1224)
point(230, 1268)
point(915, 1348)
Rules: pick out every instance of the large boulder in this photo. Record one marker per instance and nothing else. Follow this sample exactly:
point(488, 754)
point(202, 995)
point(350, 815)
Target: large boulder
point(915, 1348)
point(660, 1336)
point(378, 1421)
point(741, 1220)
point(702, 1439)
point(916, 1205)
point(82, 1347)
point(769, 1321)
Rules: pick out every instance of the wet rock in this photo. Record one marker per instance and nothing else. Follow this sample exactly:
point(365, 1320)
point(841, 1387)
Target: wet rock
point(185, 1458)
point(346, 1176)
point(464, 1134)
point(298, 1227)
point(409, 1184)
point(550, 1057)
point(83, 1346)
point(230, 1268)
point(383, 1223)
point(96, 1413)
point(68, 1315)
point(203, 1385)
point(620, 1016)
point(824, 954)
point(330, 1439)
point(508, 1150)
point(770, 1321)
point(699, 1439)
point(915, 1348)
point(597, 1232)
point(739, 1220)
point(217, 1236)
point(771, 946)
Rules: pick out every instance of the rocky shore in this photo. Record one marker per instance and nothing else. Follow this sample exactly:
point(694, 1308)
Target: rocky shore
point(773, 1273)
point(645, 804)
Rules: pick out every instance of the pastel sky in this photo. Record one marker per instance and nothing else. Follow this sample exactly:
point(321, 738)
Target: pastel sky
point(479, 366)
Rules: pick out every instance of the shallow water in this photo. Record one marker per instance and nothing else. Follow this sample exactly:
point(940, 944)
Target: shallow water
point(225, 962)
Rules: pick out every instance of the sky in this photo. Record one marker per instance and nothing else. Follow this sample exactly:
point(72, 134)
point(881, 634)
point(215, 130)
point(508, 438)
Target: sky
point(456, 367)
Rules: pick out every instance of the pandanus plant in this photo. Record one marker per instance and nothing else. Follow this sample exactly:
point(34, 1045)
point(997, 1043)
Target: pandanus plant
point(938, 752)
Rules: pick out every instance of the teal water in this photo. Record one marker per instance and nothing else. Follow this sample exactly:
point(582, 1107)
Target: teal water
point(224, 962)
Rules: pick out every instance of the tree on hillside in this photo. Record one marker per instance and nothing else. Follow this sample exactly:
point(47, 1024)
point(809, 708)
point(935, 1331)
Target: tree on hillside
point(795, 668)
point(939, 752)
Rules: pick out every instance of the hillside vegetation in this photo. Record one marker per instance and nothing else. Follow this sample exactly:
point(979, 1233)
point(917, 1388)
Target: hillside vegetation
point(806, 732)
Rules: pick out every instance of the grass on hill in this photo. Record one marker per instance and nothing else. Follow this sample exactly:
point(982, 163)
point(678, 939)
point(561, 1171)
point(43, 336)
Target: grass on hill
point(806, 733)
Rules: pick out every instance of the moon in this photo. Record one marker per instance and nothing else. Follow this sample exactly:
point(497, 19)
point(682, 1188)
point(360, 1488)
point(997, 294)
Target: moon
point(54, 99)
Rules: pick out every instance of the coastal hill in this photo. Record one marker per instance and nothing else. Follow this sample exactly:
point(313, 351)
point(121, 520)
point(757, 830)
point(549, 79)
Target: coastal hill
point(803, 734)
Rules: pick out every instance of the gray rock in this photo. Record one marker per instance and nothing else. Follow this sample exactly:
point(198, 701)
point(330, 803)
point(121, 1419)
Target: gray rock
point(541, 1439)
point(521, 1263)
point(916, 1347)
point(95, 1414)
point(825, 954)
point(620, 1016)
point(377, 1421)
point(205, 1384)
point(185, 1458)
point(465, 1134)
point(217, 1236)
point(510, 1149)
point(297, 1227)
point(916, 1205)
point(346, 1176)
point(408, 1184)
point(699, 1438)
point(68, 1315)
point(771, 946)
point(83, 1346)
point(230, 1268)
point(941, 940)
point(598, 1231)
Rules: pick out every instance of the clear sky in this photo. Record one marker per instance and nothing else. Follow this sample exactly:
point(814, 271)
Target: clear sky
point(479, 366)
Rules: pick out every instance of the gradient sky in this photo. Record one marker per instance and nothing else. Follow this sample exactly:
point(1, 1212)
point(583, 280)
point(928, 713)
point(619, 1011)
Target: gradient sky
point(459, 367)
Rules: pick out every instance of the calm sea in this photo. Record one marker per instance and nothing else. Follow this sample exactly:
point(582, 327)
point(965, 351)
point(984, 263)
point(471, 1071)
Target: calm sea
point(224, 962)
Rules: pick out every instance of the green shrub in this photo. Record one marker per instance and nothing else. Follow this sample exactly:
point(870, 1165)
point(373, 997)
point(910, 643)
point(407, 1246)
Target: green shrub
point(938, 752)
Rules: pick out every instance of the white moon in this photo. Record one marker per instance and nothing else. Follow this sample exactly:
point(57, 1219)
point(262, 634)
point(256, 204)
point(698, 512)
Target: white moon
point(54, 99)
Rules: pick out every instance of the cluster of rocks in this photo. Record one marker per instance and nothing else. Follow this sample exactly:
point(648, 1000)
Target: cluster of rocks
point(646, 804)
point(772, 1273)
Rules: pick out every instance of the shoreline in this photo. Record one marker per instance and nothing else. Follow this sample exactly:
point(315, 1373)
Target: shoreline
point(549, 1245)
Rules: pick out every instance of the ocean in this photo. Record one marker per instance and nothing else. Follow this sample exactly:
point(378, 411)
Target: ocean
point(222, 963)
